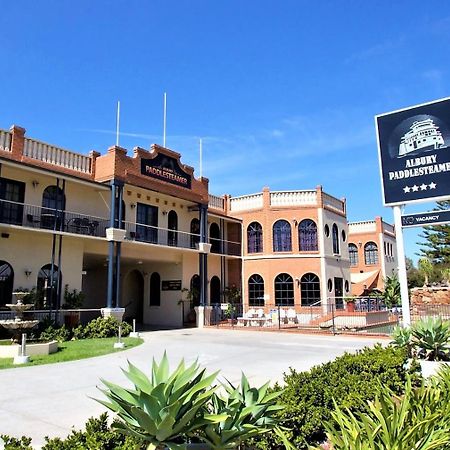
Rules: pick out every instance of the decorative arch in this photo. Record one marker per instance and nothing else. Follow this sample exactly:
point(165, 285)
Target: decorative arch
point(284, 290)
point(195, 290)
point(254, 238)
point(353, 254)
point(172, 225)
point(256, 290)
point(195, 233)
point(53, 206)
point(309, 289)
point(335, 236)
point(282, 241)
point(214, 290)
point(307, 236)
point(370, 253)
point(214, 238)
point(47, 283)
point(6, 283)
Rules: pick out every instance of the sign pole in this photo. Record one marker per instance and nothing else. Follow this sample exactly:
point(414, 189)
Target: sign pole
point(402, 277)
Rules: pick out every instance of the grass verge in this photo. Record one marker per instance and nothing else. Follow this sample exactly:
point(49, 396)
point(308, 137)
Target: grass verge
point(72, 350)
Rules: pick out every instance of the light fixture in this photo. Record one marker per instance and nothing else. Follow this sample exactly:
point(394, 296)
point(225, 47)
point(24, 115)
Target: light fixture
point(139, 262)
point(164, 213)
point(295, 222)
point(35, 183)
point(359, 244)
point(28, 272)
point(132, 205)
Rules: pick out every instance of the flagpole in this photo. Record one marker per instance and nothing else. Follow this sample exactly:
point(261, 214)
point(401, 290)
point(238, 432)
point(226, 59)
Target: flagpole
point(118, 123)
point(165, 119)
point(201, 158)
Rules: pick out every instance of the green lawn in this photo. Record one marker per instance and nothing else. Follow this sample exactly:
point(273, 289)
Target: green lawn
point(71, 350)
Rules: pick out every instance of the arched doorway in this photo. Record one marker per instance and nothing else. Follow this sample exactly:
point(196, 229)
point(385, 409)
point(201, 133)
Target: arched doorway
point(6, 283)
point(214, 291)
point(47, 286)
point(172, 225)
point(214, 238)
point(195, 233)
point(53, 206)
point(133, 296)
point(155, 289)
point(195, 291)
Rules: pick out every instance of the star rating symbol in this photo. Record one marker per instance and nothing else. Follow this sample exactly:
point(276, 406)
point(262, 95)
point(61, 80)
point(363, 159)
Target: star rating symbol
point(432, 185)
point(406, 189)
point(423, 187)
point(415, 188)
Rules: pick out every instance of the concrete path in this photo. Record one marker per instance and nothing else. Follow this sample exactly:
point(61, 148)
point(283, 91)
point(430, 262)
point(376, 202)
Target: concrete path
point(48, 400)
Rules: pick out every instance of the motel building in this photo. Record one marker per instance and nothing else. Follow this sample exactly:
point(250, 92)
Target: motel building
point(372, 250)
point(141, 232)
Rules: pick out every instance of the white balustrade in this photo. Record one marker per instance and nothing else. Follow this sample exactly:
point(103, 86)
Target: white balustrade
point(57, 156)
point(216, 202)
point(368, 226)
point(245, 202)
point(5, 140)
point(333, 203)
point(388, 228)
point(293, 198)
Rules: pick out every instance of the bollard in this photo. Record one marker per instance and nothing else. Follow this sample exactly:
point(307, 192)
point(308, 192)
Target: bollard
point(119, 343)
point(134, 333)
point(22, 358)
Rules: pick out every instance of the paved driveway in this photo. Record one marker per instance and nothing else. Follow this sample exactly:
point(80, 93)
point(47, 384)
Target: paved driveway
point(49, 400)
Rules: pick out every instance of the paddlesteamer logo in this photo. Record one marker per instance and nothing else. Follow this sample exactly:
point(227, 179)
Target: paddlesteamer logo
point(167, 169)
point(414, 149)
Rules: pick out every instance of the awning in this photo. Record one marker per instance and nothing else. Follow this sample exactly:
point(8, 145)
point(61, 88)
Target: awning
point(362, 282)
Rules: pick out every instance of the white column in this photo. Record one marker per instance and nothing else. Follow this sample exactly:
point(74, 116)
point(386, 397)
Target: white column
point(402, 277)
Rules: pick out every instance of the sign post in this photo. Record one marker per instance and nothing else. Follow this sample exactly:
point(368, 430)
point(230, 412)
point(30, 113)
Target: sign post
point(414, 156)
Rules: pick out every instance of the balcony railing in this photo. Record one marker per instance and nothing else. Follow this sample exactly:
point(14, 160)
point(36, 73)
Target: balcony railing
point(225, 247)
point(216, 202)
point(5, 140)
point(31, 216)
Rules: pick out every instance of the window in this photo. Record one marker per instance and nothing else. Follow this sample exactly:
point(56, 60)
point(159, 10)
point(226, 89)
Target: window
point(307, 236)
point(330, 284)
point(353, 254)
point(147, 215)
point(155, 289)
point(6, 283)
point(327, 231)
point(214, 238)
point(335, 233)
point(172, 225)
point(284, 290)
point(53, 205)
point(214, 290)
point(282, 236)
point(371, 253)
point(254, 238)
point(310, 289)
point(344, 236)
point(195, 233)
point(256, 290)
point(13, 192)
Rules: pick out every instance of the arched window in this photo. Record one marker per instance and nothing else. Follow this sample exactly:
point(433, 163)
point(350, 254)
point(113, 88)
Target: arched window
point(53, 206)
point(172, 225)
point(195, 291)
point(335, 234)
point(214, 290)
point(214, 238)
point(195, 233)
point(254, 238)
point(284, 290)
point(282, 236)
point(310, 289)
point(256, 290)
point(371, 253)
point(307, 236)
point(353, 254)
point(48, 284)
point(6, 283)
point(155, 289)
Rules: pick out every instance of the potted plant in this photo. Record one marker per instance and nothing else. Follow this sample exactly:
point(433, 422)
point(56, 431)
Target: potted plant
point(350, 304)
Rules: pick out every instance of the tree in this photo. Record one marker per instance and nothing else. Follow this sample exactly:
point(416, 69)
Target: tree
point(426, 268)
point(415, 278)
point(391, 294)
point(437, 239)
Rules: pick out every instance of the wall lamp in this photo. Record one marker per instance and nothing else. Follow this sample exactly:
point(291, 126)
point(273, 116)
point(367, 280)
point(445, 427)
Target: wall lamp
point(35, 183)
point(132, 205)
point(28, 272)
point(359, 244)
point(164, 213)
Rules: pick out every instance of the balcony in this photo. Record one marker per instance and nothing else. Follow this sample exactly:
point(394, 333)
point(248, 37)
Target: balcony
point(30, 216)
point(223, 247)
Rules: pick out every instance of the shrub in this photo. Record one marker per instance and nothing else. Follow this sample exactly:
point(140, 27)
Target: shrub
point(52, 333)
point(419, 419)
point(11, 443)
point(106, 327)
point(351, 380)
point(431, 339)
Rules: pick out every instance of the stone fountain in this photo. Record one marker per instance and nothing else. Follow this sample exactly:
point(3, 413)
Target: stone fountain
point(18, 325)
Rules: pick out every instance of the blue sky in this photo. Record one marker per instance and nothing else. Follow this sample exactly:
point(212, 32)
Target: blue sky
point(283, 93)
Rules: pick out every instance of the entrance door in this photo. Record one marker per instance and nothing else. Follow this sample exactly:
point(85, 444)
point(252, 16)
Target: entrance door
point(147, 215)
point(338, 293)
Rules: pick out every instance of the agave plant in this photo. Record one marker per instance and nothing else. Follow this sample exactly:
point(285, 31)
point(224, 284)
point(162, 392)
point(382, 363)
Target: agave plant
point(418, 420)
point(248, 412)
point(401, 337)
point(162, 410)
point(431, 339)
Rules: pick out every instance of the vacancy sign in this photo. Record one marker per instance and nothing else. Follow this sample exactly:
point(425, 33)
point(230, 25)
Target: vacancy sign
point(414, 153)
